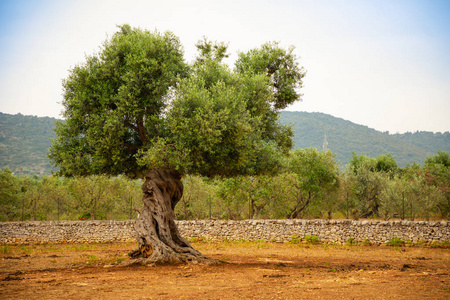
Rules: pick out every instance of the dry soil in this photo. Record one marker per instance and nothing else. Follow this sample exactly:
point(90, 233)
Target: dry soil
point(247, 270)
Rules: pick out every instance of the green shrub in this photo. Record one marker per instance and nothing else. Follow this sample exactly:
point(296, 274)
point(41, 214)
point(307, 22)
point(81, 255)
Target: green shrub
point(351, 241)
point(366, 242)
point(84, 216)
point(409, 242)
point(311, 239)
point(395, 242)
point(295, 239)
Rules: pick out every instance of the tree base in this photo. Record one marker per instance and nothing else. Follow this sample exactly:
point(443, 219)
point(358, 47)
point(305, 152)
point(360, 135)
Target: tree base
point(159, 240)
point(169, 258)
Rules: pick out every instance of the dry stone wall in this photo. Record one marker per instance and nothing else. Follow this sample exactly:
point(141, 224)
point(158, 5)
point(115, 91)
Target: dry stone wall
point(338, 231)
point(66, 232)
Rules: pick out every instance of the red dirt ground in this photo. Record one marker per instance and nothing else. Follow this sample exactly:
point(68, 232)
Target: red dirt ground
point(248, 270)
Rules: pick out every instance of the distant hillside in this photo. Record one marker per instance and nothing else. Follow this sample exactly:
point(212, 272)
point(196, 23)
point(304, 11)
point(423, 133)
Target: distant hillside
point(343, 137)
point(24, 140)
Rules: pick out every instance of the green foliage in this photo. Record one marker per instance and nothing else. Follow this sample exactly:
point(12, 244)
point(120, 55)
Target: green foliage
point(345, 137)
point(409, 193)
point(317, 179)
point(22, 151)
point(126, 197)
point(24, 141)
point(366, 184)
point(412, 195)
point(366, 242)
point(9, 195)
point(199, 199)
point(311, 239)
point(197, 239)
point(114, 102)
point(136, 105)
point(445, 244)
point(84, 216)
point(437, 175)
point(386, 163)
point(53, 198)
point(161, 154)
point(392, 199)
point(92, 196)
point(295, 239)
point(33, 198)
point(280, 66)
point(266, 197)
point(395, 242)
point(214, 128)
point(210, 51)
point(442, 158)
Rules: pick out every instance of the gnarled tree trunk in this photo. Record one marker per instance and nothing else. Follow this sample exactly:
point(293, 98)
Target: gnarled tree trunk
point(158, 237)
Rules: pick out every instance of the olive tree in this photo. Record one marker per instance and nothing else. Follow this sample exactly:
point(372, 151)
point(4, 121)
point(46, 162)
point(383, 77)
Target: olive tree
point(9, 196)
point(437, 174)
point(317, 179)
point(137, 108)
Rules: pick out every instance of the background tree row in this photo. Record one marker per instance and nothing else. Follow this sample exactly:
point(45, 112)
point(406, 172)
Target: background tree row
point(310, 186)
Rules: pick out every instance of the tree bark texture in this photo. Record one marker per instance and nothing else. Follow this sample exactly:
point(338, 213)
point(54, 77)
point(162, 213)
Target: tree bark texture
point(159, 240)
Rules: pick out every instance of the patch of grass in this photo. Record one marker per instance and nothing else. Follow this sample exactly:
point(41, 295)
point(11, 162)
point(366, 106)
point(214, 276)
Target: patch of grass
point(119, 260)
point(5, 249)
point(351, 241)
point(434, 244)
point(25, 249)
point(445, 244)
point(295, 239)
point(241, 241)
point(421, 243)
point(311, 239)
point(92, 259)
point(262, 245)
point(50, 248)
point(197, 239)
point(395, 242)
point(366, 242)
point(81, 247)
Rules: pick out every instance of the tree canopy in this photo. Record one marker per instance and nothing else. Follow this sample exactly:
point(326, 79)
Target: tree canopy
point(137, 105)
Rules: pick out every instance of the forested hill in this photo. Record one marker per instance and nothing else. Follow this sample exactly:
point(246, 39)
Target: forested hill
point(24, 140)
point(343, 137)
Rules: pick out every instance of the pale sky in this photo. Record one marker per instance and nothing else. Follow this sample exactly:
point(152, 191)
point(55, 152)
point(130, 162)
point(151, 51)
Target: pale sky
point(383, 64)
